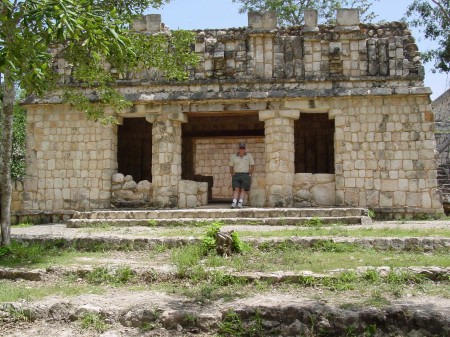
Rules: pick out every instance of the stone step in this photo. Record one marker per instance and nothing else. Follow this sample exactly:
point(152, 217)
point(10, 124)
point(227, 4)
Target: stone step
point(221, 213)
point(167, 272)
point(271, 314)
point(176, 222)
point(92, 241)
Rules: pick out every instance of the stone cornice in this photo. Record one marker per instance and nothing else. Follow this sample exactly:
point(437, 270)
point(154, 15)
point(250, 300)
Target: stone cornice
point(263, 90)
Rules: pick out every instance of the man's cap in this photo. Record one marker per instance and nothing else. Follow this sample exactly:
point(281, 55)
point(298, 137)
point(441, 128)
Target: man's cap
point(242, 145)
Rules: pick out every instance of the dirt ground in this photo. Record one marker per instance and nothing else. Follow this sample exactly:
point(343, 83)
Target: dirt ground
point(117, 299)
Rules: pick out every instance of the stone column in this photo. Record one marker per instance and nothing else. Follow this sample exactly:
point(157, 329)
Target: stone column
point(166, 155)
point(261, 43)
point(280, 156)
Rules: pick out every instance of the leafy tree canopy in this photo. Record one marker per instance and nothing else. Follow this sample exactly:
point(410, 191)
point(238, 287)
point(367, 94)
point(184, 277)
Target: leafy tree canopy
point(88, 34)
point(93, 36)
point(433, 18)
point(290, 12)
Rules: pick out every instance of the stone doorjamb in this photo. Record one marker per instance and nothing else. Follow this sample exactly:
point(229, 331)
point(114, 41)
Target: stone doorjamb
point(166, 154)
point(339, 150)
point(280, 154)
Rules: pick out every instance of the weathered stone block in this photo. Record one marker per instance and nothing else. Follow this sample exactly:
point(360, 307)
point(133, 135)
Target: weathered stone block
point(311, 18)
point(191, 201)
point(129, 185)
point(118, 178)
point(143, 186)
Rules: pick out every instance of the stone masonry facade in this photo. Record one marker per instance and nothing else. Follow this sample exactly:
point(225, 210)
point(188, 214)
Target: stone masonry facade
point(441, 108)
point(366, 79)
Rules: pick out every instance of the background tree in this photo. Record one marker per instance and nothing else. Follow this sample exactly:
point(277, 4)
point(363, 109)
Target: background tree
point(432, 17)
point(290, 12)
point(92, 35)
point(19, 127)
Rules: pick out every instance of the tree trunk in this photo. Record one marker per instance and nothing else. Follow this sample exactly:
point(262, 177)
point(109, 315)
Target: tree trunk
point(9, 94)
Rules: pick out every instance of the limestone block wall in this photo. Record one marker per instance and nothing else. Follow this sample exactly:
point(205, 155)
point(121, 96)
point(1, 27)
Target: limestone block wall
point(280, 155)
point(368, 78)
point(166, 157)
point(264, 51)
point(70, 160)
point(385, 154)
point(212, 158)
point(17, 196)
point(192, 194)
point(441, 110)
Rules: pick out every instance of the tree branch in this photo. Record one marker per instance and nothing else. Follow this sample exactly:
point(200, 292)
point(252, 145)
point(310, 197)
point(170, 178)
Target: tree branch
point(444, 11)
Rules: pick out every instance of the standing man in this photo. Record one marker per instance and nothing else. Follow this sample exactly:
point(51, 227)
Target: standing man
point(242, 166)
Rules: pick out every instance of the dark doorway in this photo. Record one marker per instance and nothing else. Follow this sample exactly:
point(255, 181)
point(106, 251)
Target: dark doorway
point(225, 126)
point(134, 153)
point(209, 140)
point(314, 143)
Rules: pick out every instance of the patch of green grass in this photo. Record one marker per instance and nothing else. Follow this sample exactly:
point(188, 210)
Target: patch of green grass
point(103, 275)
point(19, 314)
point(94, 321)
point(377, 299)
point(313, 222)
point(11, 291)
point(341, 231)
point(233, 326)
point(331, 246)
point(22, 225)
point(152, 223)
point(18, 254)
point(186, 257)
point(42, 255)
point(323, 257)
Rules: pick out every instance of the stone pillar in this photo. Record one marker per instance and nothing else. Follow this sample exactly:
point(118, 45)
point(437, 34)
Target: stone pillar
point(261, 43)
point(166, 155)
point(348, 57)
point(280, 155)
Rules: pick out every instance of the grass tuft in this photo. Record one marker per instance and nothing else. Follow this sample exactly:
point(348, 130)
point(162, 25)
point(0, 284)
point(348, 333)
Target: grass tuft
point(94, 321)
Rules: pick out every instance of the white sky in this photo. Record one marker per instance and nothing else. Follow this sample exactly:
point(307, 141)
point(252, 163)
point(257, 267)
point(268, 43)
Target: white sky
point(202, 14)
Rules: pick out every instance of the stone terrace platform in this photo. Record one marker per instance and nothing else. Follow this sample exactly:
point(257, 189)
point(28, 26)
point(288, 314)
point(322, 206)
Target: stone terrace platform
point(227, 216)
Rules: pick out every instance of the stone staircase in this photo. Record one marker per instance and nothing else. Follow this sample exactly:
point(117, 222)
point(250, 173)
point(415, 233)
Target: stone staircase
point(443, 178)
point(227, 216)
point(306, 310)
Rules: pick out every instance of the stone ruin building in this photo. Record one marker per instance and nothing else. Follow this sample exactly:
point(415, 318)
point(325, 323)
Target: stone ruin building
point(334, 115)
point(441, 110)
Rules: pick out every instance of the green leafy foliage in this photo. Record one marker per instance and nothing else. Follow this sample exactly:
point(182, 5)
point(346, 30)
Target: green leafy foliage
point(433, 19)
point(209, 240)
point(41, 40)
point(18, 164)
point(19, 134)
point(291, 12)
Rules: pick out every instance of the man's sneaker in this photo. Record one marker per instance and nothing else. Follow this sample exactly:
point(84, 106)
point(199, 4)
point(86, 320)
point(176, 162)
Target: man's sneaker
point(239, 205)
point(233, 205)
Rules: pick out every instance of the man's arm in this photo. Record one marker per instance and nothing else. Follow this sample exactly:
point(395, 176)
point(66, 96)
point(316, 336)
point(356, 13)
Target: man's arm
point(252, 166)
